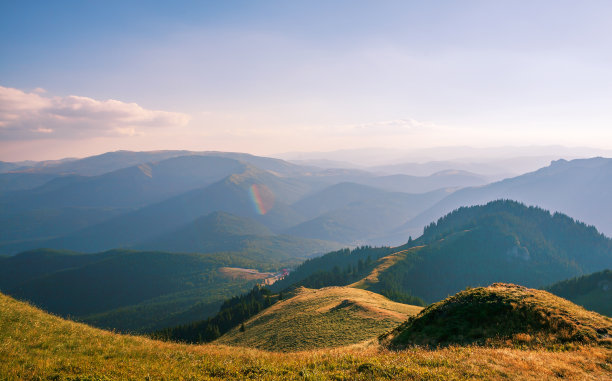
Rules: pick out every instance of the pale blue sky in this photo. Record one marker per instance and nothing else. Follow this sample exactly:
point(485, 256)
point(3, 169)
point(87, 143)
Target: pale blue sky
point(273, 76)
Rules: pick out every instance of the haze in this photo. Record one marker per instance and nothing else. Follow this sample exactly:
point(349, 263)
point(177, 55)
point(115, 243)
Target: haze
point(269, 77)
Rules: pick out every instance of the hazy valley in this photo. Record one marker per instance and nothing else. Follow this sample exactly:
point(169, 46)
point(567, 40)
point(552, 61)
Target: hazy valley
point(228, 250)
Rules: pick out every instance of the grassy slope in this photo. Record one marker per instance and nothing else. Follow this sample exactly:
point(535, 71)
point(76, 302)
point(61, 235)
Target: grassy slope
point(35, 345)
point(593, 291)
point(503, 314)
point(328, 317)
point(382, 264)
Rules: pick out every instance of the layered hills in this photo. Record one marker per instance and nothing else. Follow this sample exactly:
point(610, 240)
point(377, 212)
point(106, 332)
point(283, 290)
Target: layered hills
point(501, 241)
point(224, 232)
point(129, 290)
point(578, 188)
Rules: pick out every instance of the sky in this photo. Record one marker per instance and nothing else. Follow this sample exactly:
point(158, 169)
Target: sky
point(84, 77)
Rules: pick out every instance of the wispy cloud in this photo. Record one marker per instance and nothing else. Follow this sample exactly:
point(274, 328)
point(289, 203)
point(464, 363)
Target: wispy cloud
point(27, 116)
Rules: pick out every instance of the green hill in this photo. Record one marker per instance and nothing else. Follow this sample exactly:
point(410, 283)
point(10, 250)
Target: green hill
point(234, 195)
point(364, 215)
point(502, 315)
point(328, 317)
point(127, 290)
point(36, 345)
point(593, 291)
point(222, 231)
point(502, 241)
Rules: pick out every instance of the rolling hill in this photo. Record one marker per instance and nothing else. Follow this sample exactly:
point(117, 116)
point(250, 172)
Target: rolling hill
point(36, 345)
point(253, 193)
point(593, 291)
point(130, 187)
point(502, 315)
point(447, 178)
point(362, 215)
point(128, 290)
point(328, 317)
point(501, 241)
point(220, 231)
point(18, 181)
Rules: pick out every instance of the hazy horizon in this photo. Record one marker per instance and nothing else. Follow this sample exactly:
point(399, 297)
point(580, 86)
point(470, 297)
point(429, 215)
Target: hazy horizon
point(272, 77)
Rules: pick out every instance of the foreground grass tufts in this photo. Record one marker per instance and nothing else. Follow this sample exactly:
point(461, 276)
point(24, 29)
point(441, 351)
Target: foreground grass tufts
point(38, 346)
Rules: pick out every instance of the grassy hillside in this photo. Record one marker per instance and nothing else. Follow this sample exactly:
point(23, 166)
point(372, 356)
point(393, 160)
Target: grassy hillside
point(35, 345)
point(502, 315)
point(593, 291)
point(328, 317)
point(340, 267)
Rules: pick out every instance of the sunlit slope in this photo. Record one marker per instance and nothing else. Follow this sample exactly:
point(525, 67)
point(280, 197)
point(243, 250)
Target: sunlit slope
point(373, 279)
point(35, 345)
point(593, 291)
point(503, 315)
point(328, 317)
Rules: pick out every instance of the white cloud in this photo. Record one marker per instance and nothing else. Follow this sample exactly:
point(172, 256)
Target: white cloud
point(26, 116)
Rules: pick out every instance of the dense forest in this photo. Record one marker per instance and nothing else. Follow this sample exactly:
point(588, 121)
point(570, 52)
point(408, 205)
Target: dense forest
point(338, 268)
point(233, 312)
point(593, 291)
point(125, 290)
point(501, 241)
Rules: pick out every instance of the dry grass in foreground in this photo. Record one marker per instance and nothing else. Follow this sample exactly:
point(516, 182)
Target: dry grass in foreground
point(36, 345)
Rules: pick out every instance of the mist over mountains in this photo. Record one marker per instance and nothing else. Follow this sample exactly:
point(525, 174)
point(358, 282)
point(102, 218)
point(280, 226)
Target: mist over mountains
point(156, 244)
point(124, 199)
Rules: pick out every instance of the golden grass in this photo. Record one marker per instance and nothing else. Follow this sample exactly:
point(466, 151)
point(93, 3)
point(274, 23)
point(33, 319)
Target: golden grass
point(504, 315)
point(36, 346)
point(327, 317)
point(384, 263)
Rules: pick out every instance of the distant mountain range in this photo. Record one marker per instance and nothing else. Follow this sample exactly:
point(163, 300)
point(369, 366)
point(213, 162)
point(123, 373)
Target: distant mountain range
point(128, 199)
point(578, 188)
point(142, 201)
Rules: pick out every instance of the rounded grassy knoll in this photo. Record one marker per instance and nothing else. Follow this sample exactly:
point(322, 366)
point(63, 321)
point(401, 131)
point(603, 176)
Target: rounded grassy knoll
point(323, 318)
point(502, 315)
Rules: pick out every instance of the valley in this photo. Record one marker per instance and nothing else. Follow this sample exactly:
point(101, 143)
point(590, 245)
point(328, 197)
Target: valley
point(305, 190)
point(269, 258)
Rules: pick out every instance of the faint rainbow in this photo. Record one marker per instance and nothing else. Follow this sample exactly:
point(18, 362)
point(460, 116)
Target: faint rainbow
point(257, 200)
